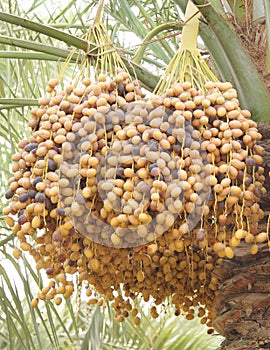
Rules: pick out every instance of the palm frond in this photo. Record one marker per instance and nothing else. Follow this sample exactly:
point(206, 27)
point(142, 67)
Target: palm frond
point(267, 20)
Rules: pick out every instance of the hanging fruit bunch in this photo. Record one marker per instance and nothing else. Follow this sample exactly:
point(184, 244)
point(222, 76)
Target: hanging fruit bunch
point(137, 197)
point(227, 135)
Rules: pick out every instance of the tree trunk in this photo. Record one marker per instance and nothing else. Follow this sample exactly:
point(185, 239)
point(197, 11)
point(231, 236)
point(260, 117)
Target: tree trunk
point(243, 301)
point(264, 129)
point(242, 304)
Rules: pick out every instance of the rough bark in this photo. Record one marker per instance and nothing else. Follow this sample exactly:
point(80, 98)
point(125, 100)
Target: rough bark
point(243, 301)
point(242, 304)
point(264, 129)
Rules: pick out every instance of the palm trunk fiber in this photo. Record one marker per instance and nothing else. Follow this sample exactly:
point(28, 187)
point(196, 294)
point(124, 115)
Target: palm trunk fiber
point(242, 304)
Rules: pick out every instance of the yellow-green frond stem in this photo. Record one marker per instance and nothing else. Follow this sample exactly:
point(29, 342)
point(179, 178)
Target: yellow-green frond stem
point(99, 12)
point(187, 64)
point(190, 28)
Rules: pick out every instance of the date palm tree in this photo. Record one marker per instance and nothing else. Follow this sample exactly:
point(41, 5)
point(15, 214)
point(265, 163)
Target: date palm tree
point(35, 40)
